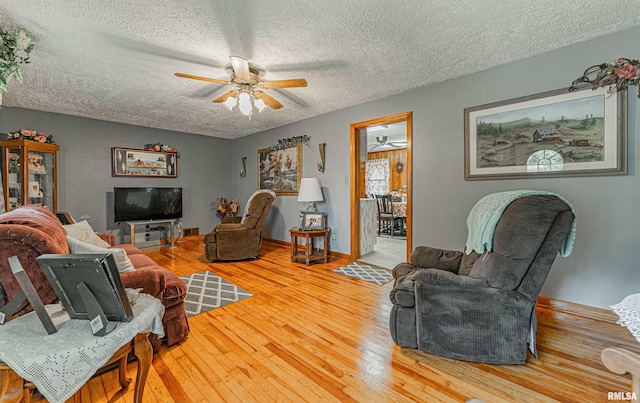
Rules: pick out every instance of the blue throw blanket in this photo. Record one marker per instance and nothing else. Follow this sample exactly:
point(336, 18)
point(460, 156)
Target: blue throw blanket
point(484, 217)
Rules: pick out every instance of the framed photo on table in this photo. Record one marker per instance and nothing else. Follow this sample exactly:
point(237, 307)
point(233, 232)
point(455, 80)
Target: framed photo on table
point(280, 170)
point(551, 134)
point(143, 163)
point(313, 220)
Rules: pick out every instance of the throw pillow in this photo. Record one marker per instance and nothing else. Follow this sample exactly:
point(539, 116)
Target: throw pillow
point(83, 232)
point(120, 255)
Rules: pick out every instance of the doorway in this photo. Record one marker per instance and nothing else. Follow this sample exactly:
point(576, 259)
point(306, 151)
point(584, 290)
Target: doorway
point(385, 139)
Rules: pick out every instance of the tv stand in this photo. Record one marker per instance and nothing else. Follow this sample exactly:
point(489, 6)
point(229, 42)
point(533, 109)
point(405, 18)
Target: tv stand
point(132, 225)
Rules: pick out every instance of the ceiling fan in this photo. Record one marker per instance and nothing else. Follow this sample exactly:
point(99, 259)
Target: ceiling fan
point(383, 141)
point(248, 84)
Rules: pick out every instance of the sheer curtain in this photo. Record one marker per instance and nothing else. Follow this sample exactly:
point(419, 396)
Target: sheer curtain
point(377, 177)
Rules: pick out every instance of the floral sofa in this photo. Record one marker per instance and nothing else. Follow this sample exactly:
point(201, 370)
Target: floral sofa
point(30, 231)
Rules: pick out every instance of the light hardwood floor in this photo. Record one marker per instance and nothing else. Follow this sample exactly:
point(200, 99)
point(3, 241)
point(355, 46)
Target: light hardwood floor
point(309, 334)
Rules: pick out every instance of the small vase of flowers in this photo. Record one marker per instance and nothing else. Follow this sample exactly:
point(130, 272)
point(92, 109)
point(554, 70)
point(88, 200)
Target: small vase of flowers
point(225, 207)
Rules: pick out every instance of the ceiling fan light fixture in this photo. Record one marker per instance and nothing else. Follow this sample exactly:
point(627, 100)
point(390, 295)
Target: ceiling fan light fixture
point(244, 103)
point(230, 103)
point(248, 85)
point(259, 103)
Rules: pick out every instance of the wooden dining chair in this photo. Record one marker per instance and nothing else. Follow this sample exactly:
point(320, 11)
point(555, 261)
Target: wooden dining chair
point(388, 221)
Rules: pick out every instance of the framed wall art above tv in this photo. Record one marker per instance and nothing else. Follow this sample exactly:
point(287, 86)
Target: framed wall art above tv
point(134, 162)
point(552, 134)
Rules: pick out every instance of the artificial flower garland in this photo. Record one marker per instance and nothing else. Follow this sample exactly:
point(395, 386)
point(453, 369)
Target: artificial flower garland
point(619, 74)
point(159, 147)
point(23, 134)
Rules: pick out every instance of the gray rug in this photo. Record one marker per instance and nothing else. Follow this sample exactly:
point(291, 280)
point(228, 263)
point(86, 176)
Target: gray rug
point(366, 273)
point(206, 291)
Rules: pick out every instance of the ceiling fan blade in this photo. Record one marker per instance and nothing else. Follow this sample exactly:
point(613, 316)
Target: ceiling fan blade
point(271, 103)
point(224, 96)
point(211, 80)
point(293, 83)
point(240, 67)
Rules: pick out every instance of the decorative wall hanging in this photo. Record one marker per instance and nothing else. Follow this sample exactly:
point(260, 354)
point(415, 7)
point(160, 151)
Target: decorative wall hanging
point(617, 75)
point(14, 50)
point(321, 147)
point(399, 166)
point(556, 133)
point(243, 171)
point(280, 170)
point(132, 162)
point(291, 141)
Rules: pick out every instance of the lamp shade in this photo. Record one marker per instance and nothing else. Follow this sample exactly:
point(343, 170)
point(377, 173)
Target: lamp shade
point(310, 190)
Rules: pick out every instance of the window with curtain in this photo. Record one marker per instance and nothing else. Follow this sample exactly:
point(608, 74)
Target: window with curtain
point(377, 177)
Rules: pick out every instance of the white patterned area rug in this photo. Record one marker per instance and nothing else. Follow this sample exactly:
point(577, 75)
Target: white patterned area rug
point(366, 273)
point(206, 291)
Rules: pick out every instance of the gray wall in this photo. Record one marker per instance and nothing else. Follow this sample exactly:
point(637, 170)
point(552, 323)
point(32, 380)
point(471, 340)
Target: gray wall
point(603, 266)
point(85, 183)
point(601, 270)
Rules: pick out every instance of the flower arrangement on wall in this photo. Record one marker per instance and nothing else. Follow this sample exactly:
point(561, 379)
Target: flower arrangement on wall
point(14, 50)
point(23, 134)
point(225, 207)
point(291, 141)
point(159, 147)
point(620, 74)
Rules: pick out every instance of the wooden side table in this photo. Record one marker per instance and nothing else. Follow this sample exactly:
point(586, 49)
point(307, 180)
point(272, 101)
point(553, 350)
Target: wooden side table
point(21, 341)
point(13, 389)
point(308, 255)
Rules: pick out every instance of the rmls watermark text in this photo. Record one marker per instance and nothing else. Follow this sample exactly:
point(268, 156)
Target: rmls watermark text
point(625, 396)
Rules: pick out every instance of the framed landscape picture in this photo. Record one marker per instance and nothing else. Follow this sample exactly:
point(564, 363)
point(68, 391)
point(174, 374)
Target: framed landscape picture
point(552, 134)
point(280, 170)
point(133, 162)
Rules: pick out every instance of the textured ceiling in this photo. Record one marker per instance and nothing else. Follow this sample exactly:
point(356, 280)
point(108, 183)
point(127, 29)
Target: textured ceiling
point(114, 60)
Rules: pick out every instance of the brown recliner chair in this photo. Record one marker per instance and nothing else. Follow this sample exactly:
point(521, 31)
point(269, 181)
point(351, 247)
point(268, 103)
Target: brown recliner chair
point(238, 238)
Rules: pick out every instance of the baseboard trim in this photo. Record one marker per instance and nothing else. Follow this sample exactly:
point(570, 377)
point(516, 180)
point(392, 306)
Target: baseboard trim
point(576, 309)
point(288, 245)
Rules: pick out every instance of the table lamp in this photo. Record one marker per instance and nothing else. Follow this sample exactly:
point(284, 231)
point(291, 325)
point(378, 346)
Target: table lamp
point(310, 192)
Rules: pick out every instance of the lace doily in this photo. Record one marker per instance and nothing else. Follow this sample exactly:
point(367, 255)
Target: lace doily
point(629, 312)
point(60, 363)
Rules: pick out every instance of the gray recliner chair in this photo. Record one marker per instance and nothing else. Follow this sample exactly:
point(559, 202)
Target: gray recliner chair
point(481, 307)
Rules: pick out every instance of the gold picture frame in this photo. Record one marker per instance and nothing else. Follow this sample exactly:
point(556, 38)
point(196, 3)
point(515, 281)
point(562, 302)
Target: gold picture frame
point(280, 170)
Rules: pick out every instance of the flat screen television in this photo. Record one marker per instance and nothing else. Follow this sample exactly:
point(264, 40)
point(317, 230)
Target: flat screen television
point(147, 203)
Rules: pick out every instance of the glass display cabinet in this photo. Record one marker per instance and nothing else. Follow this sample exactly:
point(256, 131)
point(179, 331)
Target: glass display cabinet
point(29, 173)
